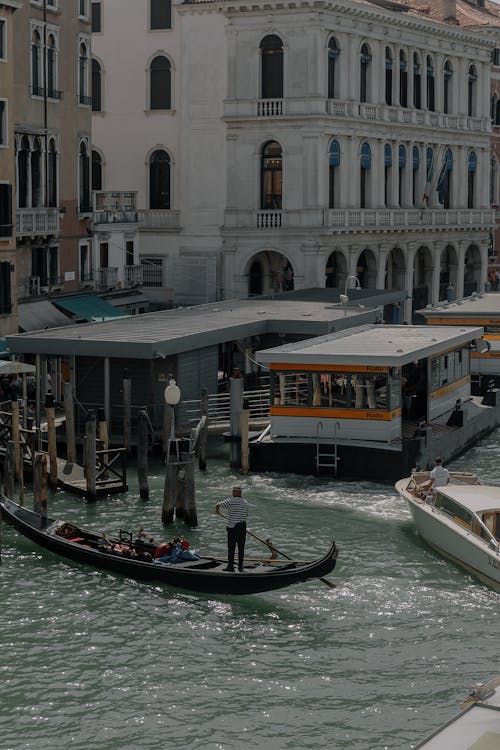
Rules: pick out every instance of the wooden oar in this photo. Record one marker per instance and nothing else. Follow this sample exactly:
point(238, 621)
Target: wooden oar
point(275, 551)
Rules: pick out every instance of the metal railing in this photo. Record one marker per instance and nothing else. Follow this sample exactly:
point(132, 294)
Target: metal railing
point(219, 408)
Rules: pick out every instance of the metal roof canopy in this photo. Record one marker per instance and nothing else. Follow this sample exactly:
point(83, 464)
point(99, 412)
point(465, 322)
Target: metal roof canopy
point(88, 307)
point(168, 332)
point(376, 345)
point(35, 316)
point(477, 305)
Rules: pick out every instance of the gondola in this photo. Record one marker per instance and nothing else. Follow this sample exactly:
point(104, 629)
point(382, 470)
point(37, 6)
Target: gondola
point(134, 558)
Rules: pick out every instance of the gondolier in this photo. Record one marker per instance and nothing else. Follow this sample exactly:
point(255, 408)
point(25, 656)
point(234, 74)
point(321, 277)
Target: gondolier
point(236, 508)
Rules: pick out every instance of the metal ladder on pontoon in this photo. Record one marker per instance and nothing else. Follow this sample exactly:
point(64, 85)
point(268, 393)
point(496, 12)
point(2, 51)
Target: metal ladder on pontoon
point(328, 457)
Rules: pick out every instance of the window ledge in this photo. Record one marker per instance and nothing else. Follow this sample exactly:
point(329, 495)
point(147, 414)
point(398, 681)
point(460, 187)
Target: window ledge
point(155, 112)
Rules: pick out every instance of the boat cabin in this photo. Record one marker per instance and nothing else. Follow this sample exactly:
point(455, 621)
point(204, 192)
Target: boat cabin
point(477, 310)
point(356, 397)
point(475, 508)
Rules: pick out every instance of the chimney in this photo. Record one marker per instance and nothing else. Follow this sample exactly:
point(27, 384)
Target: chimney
point(450, 11)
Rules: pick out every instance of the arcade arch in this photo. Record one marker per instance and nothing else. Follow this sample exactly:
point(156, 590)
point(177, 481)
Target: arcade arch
point(269, 271)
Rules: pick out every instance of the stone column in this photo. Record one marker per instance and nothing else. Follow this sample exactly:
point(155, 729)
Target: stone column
point(436, 272)
point(228, 259)
point(383, 252)
point(314, 271)
point(458, 196)
point(461, 250)
point(411, 249)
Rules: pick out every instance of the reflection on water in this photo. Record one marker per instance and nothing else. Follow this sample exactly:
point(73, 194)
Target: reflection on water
point(92, 660)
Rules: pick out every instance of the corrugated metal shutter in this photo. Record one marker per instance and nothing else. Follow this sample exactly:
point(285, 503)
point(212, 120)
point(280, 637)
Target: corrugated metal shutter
point(195, 279)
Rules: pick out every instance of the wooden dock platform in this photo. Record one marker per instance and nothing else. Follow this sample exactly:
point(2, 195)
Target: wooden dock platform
point(71, 477)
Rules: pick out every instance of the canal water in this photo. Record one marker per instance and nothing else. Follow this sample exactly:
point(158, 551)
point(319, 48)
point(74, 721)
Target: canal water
point(91, 660)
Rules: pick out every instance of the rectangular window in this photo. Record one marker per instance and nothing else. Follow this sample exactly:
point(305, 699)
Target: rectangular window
point(104, 255)
point(129, 253)
point(153, 271)
point(96, 17)
point(5, 210)
point(83, 8)
point(3, 123)
point(3, 49)
point(160, 14)
point(5, 291)
point(53, 265)
point(84, 262)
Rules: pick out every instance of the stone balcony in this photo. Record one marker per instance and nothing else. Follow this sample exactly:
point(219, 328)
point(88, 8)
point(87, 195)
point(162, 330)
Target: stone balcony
point(37, 222)
point(242, 109)
point(115, 207)
point(153, 219)
point(351, 220)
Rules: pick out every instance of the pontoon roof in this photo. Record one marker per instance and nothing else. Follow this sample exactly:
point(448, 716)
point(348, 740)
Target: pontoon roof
point(379, 345)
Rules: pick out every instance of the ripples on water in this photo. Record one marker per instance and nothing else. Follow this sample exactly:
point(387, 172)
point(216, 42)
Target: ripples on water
point(91, 660)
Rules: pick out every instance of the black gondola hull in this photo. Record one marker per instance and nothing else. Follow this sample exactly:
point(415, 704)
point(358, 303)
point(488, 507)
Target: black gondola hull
point(204, 576)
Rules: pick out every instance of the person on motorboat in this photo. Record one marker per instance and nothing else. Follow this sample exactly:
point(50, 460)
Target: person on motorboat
point(439, 475)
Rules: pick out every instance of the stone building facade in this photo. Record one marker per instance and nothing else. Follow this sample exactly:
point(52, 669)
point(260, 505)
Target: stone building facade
point(283, 146)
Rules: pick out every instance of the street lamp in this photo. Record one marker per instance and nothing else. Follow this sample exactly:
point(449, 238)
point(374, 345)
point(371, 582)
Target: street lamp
point(172, 396)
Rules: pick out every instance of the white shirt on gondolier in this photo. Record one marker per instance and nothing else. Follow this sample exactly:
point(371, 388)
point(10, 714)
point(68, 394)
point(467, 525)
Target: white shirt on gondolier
point(236, 509)
point(440, 476)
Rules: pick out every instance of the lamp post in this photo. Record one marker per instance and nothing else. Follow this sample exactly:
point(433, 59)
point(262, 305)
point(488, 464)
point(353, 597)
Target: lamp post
point(172, 395)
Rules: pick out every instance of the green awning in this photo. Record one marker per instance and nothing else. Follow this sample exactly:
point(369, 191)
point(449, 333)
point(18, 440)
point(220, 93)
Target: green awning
point(89, 307)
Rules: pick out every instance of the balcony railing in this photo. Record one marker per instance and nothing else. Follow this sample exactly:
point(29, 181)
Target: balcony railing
point(377, 218)
point(54, 94)
point(37, 221)
point(251, 108)
point(87, 280)
point(84, 99)
point(159, 218)
point(36, 286)
point(107, 278)
point(134, 276)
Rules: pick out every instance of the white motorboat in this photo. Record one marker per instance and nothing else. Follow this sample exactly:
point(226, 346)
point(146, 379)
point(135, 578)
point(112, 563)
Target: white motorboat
point(460, 520)
point(476, 727)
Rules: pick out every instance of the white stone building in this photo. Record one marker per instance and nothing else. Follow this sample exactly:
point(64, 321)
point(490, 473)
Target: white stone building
point(265, 146)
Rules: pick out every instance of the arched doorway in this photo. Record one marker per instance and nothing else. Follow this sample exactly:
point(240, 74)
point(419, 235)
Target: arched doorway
point(472, 270)
point(335, 270)
point(395, 269)
point(448, 274)
point(269, 271)
point(366, 269)
point(255, 279)
point(422, 280)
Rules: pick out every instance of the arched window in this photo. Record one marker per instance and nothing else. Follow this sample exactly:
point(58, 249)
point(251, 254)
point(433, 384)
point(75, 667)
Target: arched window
point(333, 173)
point(23, 157)
point(416, 166)
point(417, 82)
point(443, 186)
point(388, 76)
point(271, 52)
point(96, 86)
point(447, 81)
point(160, 75)
point(36, 64)
point(364, 62)
point(84, 179)
point(401, 174)
point(387, 174)
point(365, 167)
point(271, 171)
point(159, 180)
point(51, 67)
point(52, 174)
point(430, 84)
point(403, 79)
point(83, 72)
point(472, 92)
point(333, 53)
point(96, 170)
point(471, 178)
point(36, 173)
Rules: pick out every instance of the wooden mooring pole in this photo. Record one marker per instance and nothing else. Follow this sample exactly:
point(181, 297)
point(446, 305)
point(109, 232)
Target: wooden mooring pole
point(179, 488)
point(127, 411)
point(16, 436)
point(142, 454)
point(103, 437)
point(245, 423)
point(9, 469)
point(50, 413)
point(236, 404)
point(203, 437)
point(90, 456)
point(40, 484)
point(69, 411)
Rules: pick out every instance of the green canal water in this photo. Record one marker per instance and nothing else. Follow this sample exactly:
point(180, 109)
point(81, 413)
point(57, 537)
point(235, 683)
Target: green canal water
point(90, 660)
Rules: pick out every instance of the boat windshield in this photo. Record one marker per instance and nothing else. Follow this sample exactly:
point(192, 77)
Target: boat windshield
point(485, 527)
